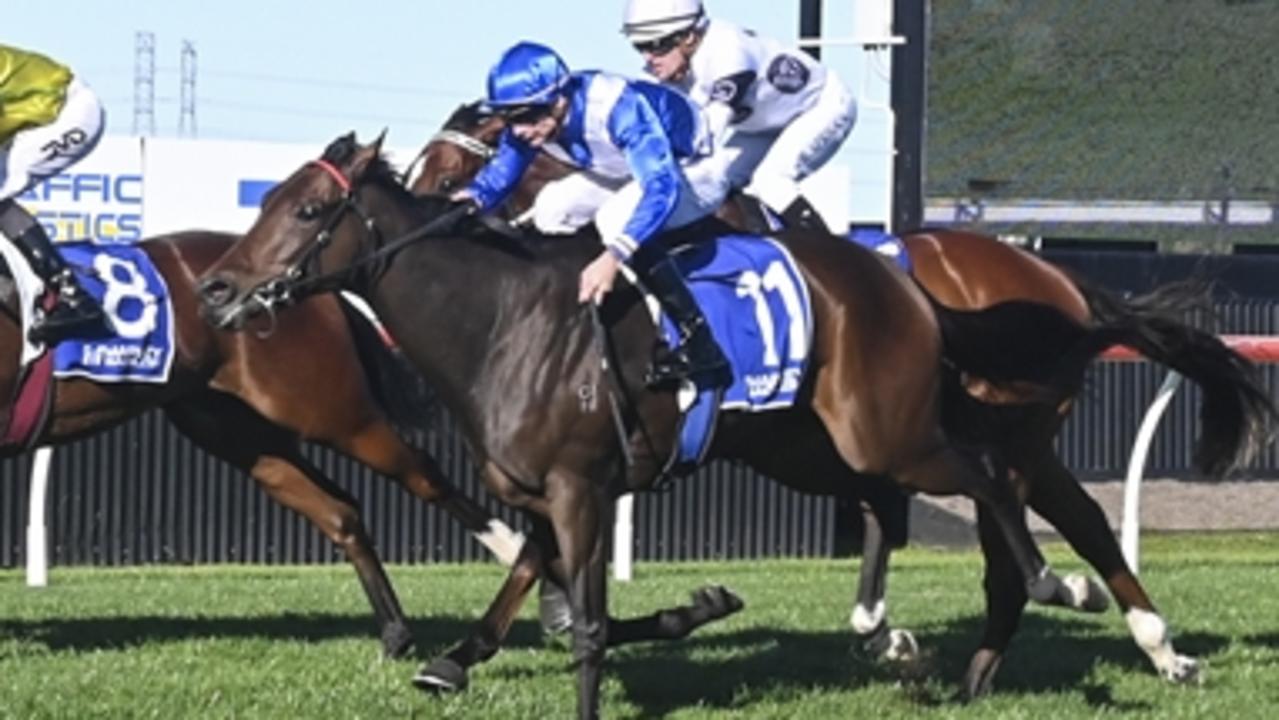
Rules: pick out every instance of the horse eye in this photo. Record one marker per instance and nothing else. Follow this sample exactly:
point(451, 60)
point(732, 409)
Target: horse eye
point(309, 211)
point(447, 184)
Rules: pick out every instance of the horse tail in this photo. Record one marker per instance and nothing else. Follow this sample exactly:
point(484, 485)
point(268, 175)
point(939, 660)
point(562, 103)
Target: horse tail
point(1027, 342)
point(1236, 412)
point(397, 388)
point(1019, 341)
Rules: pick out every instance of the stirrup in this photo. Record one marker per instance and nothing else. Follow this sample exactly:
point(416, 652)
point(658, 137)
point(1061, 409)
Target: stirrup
point(673, 367)
point(67, 320)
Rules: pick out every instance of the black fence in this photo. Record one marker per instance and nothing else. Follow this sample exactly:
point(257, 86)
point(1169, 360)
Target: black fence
point(143, 494)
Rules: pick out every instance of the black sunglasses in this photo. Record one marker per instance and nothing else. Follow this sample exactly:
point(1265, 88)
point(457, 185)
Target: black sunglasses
point(661, 45)
point(523, 114)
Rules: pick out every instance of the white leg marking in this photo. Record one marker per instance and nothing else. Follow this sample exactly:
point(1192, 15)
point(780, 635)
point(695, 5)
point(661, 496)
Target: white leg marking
point(1151, 633)
point(864, 621)
point(502, 541)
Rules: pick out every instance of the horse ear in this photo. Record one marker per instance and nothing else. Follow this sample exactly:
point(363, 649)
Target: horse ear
point(366, 155)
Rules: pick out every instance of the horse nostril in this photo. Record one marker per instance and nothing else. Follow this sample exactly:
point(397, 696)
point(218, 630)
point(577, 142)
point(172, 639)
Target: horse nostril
point(216, 292)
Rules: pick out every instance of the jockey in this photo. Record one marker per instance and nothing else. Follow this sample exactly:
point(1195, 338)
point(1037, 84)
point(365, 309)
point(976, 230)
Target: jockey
point(789, 114)
point(49, 119)
point(636, 144)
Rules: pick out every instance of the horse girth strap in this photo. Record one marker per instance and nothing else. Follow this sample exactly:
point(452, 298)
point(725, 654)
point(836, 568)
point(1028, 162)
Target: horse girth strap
point(613, 382)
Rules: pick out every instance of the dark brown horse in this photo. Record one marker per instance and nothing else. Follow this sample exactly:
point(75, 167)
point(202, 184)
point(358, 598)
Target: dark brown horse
point(495, 326)
point(251, 400)
point(968, 271)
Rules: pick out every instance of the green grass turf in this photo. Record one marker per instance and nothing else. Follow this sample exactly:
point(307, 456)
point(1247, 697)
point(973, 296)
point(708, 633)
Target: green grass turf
point(248, 641)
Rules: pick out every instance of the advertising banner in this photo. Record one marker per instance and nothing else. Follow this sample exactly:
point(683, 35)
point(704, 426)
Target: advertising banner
point(99, 198)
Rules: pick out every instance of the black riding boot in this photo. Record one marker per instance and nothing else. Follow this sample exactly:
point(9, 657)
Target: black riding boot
point(697, 357)
point(74, 310)
point(799, 214)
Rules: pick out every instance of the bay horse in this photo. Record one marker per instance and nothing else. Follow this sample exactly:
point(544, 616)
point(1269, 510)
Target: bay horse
point(494, 325)
point(968, 271)
point(251, 400)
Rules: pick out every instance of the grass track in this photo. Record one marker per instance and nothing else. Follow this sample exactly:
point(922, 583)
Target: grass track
point(236, 641)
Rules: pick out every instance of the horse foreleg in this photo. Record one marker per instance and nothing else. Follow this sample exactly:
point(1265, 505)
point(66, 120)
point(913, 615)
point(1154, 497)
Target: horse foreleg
point(232, 431)
point(380, 447)
point(580, 514)
point(1056, 495)
point(1005, 602)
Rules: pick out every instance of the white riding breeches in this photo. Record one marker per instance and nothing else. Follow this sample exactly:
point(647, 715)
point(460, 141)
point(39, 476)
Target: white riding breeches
point(42, 152)
point(570, 203)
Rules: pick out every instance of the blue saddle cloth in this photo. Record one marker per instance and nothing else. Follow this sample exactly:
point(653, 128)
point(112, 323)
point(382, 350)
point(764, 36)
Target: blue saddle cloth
point(883, 243)
point(758, 308)
point(139, 344)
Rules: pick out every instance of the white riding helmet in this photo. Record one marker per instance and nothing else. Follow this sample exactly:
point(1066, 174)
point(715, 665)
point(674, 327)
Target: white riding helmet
point(646, 20)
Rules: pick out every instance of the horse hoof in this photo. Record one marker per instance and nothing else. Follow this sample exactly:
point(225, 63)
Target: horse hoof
point(718, 601)
point(441, 676)
point(397, 641)
point(1184, 671)
point(902, 646)
point(1087, 594)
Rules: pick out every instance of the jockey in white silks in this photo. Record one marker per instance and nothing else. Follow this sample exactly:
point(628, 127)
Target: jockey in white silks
point(788, 114)
point(638, 148)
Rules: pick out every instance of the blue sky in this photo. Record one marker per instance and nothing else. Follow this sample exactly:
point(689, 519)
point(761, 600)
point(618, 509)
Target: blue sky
point(307, 71)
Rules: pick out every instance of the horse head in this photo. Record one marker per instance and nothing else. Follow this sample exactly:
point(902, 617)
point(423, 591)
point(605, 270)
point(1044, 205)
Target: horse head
point(311, 229)
point(457, 152)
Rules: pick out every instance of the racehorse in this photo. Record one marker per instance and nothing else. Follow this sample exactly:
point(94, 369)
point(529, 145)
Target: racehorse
point(494, 324)
point(251, 400)
point(969, 271)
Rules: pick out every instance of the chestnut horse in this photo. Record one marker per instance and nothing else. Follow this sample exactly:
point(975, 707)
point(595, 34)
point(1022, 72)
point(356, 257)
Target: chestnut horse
point(251, 400)
point(968, 271)
point(494, 324)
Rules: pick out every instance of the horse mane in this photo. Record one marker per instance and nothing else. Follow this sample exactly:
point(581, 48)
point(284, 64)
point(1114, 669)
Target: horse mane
point(466, 117)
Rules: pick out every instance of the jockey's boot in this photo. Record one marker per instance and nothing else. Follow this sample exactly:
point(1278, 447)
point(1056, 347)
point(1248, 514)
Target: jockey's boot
point(801, 215)
point(697, 357)
point(74, 310)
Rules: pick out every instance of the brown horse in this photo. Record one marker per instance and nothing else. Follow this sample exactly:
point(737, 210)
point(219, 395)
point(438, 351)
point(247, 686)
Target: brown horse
point(251, 400)
point(968, 271)
point(495, 326)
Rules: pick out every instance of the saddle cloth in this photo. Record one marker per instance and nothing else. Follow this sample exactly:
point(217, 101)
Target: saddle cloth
point(758, 308)
point(138, 346)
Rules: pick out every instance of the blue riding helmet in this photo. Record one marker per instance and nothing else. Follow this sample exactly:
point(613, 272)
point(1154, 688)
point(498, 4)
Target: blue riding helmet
point(527, 74)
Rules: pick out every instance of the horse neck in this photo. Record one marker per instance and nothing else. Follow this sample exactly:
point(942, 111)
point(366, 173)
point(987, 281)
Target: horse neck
point(478, 320)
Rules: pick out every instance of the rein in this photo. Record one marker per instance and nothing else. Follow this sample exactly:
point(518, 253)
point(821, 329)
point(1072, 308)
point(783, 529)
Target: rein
point(294, 279)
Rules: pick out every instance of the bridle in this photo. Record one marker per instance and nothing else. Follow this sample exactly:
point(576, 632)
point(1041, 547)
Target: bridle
point(468, 143)
point(297, 281)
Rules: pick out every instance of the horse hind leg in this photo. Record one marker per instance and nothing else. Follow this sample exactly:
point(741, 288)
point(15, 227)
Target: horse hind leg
point(450, 671)
point(232, 431)
point(947, 472)
point(1057, 496)
point(1005, 602)
point(869, 618)
point(378, 446)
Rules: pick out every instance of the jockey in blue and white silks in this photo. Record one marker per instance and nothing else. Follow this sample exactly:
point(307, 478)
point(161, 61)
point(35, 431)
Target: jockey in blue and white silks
point(637, 145)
